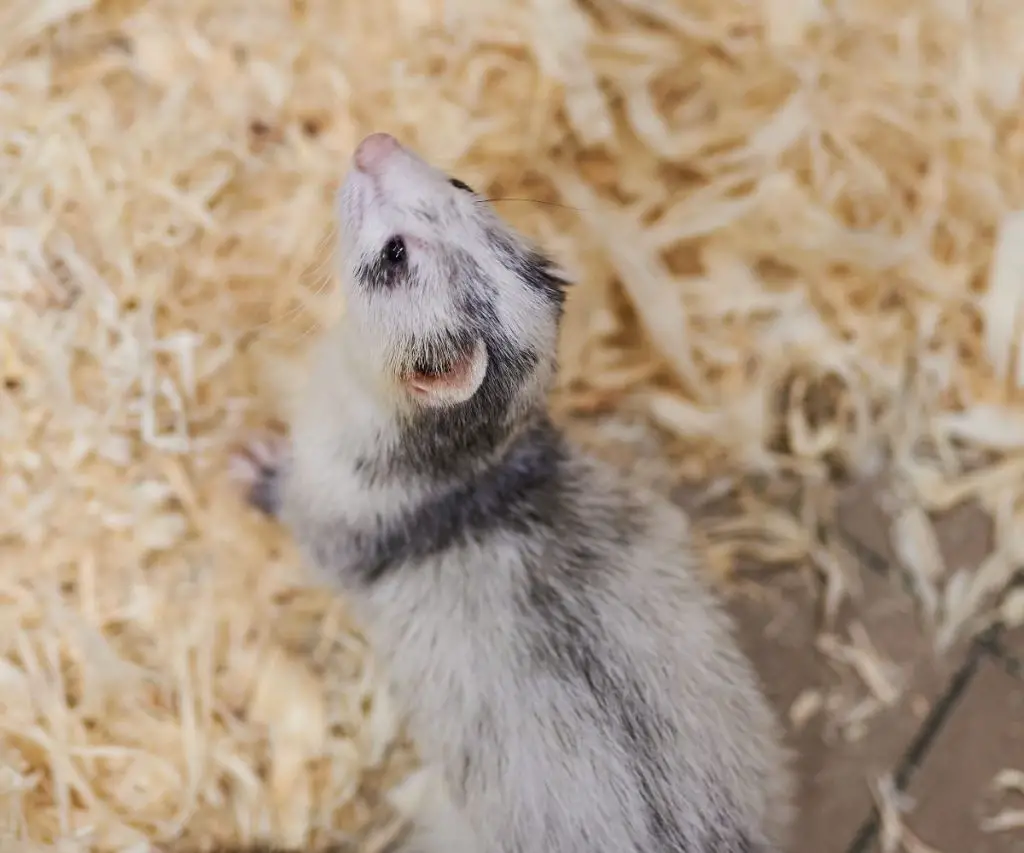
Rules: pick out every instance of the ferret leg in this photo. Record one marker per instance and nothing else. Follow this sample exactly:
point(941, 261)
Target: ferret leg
point(259, 467)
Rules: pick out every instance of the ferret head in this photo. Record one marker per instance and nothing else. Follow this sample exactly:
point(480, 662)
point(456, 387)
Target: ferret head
point(452, 311)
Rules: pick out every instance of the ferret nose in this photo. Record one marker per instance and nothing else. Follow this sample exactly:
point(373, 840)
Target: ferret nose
point(372, 153)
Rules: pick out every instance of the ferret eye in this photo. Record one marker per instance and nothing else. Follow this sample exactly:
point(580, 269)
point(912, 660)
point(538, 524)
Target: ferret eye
point(393, 252)
point(460, 185)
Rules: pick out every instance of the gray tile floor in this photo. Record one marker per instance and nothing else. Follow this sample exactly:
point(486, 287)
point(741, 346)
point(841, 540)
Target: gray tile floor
point(957, 724)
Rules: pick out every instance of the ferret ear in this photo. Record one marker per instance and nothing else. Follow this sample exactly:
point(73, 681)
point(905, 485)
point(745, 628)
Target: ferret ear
point(455, 385)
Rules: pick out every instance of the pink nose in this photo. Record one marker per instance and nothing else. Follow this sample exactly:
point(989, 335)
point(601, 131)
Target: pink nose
point(373, 152)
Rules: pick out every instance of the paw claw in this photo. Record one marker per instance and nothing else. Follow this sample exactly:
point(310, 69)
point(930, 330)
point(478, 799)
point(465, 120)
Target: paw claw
point(256, 467)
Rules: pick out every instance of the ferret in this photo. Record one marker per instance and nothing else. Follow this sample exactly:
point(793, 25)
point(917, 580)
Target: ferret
point(561, 667)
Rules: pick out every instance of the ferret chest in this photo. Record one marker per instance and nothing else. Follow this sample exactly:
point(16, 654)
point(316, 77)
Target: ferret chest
point(448, 632)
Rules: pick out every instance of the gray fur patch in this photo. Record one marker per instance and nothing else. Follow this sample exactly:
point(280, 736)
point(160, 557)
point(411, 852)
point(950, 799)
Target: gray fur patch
point(570, 641)
point(532, 267)
point(515, 493)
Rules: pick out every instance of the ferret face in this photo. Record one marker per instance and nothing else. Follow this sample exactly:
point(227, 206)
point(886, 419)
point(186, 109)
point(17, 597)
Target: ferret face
point(441, 295)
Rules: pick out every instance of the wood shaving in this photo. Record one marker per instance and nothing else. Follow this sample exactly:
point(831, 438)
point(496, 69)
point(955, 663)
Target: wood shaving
point(1006, 781)
point(1009, 780)
point(805, 707)
point(892, 804)
point(968, 592)
point(882, 677)
point(1011, 612)
point(1003, 306)
point(917, 547)
point(797, 230)
point(1005, 821)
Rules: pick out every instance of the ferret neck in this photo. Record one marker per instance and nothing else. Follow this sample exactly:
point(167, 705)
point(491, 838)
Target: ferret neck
point(522, 484)
point(449, 445)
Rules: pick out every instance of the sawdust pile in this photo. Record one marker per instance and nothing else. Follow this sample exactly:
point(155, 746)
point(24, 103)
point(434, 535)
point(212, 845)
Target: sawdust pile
point(819, 198)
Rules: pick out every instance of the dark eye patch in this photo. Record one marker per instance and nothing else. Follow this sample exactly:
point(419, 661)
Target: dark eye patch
point(460, 185)
point(388, 268)
point(393, 253)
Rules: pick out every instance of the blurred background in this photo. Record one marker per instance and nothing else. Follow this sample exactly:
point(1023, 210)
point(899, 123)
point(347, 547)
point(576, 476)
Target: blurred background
point(798, 229)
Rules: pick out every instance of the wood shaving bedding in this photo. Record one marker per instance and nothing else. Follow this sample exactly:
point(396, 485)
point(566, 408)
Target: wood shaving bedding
point(798, 231)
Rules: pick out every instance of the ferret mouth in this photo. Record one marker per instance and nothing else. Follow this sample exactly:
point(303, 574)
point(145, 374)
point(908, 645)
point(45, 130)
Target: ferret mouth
point(432, 369)
point(440, 358)
point(438, 365)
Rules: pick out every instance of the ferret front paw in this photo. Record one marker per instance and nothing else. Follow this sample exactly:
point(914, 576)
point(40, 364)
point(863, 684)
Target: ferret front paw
point(258, 466)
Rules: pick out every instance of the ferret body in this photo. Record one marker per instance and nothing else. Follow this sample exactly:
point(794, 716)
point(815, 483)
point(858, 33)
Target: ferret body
point(561, 666)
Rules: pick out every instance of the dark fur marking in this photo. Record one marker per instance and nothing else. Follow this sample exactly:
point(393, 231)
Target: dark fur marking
point(569, 642)
point(570, 645)
point(533, 268)
point(376, 274)
point(515, 493)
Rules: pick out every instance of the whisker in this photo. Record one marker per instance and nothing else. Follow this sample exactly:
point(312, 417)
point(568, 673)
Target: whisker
point(530, 200)
point(310, 329)
point(319, 271)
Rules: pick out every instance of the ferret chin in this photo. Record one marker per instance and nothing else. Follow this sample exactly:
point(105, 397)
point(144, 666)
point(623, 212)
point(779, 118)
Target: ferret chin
point(544, 627)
